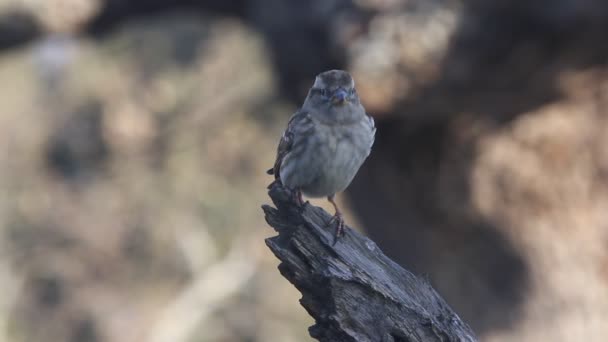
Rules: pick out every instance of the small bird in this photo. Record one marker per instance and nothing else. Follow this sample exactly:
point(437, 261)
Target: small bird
point(326, 142)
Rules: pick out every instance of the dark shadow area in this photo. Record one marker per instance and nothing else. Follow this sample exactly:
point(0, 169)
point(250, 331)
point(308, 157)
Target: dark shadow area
point(85, 330)
point(398, 196)
point(115, 12)
point(299, 35)
point(77, 150)
point(17, 28)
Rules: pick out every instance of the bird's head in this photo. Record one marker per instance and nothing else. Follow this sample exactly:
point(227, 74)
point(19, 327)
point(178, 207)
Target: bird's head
point(333, 89)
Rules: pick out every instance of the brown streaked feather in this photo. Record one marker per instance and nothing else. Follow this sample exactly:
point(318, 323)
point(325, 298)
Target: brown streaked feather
point(286, 142)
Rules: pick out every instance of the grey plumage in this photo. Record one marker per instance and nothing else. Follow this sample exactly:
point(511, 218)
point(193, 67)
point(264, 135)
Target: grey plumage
point(326, 141)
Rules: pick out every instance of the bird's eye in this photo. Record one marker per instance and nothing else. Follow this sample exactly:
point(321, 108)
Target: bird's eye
point(324, 92)
point(352, 91)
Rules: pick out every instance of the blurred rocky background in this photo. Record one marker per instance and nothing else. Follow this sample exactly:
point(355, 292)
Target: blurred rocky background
point(134, 135)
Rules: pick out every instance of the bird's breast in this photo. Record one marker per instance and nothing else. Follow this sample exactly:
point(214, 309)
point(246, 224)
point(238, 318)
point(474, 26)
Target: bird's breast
point(336, 156)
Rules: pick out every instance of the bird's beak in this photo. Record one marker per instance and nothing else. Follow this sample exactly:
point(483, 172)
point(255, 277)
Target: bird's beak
point(339, 97)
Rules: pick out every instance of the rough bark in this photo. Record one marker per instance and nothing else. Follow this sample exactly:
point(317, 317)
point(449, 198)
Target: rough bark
point(353, 290)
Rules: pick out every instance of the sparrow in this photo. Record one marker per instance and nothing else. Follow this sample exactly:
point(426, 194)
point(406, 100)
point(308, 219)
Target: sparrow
point(326, 142)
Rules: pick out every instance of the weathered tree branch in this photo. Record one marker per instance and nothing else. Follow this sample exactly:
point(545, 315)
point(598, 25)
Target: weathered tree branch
point(354, 291)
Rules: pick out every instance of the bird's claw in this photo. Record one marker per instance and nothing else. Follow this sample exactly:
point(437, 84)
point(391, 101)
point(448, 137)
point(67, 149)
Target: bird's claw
point(339, 220)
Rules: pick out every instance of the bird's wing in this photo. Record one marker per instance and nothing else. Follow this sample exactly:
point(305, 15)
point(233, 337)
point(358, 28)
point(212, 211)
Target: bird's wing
point(372, 125)
point(299, 122)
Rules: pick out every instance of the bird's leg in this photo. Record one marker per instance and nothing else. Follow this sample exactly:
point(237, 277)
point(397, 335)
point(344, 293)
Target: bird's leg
point(298, 197)
point(338, 218)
